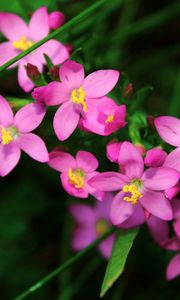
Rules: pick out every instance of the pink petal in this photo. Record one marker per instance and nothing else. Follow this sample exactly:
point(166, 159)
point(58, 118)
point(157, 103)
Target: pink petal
point(72, 74)
point(52, 94)
point(169, 129)
point(103, 207)
point(24, 81)
point(105, 247)
point(176, 226)
point(155, 157)
point(39, 24)
point(159, 229)
point(95, 193)
point(70, 189)
point(12, 26)
point(86, 161)
point(34, 146)
point(61, 161)
point(29, 117)
point(173, 269)
point(99, 83)
point(57, 52)
point(82, 237)
point(173, 160)
point(136, 219)
point(172, 192)
point(156, 204)
point(130, 161)
point(6, 114)
point(172, 244)
point(159, 179)
point(65, 121)
point(7, 52)
point(83, 214)
point(120, 210)
point(9, 158)
point(108, 181)
point(112, 150)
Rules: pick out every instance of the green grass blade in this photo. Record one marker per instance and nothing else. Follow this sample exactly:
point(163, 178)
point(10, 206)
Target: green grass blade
point(115, 267)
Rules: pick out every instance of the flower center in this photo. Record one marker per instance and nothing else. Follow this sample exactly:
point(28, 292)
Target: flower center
point(23, 44)
point(77, 96)
point(109, 119)
point(76, 177)
point(133, 190)
point(8, 134)
point(101, 226)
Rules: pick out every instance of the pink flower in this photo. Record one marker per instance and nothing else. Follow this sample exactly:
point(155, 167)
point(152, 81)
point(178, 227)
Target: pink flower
point(173, 268)
point(104, 117)
point(155, 157)
point(169, 129)
point(75, 93)
point(92, 222)
point(75, 172)
point(138, 188)
point(21, 37)
point(15, 135)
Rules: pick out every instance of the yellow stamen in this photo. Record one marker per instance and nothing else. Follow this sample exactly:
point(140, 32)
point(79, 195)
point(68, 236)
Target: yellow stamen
point(22, 44)
point(76, 178)
point(133, 190)
point(110, 119)
point(77, 96)
point(6, 136)
point(101, 226)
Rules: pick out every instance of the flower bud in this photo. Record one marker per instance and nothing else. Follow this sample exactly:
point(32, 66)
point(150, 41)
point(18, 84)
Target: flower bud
point(54, 73)
point(128, 91)
point(56, 19)
point(32, 72)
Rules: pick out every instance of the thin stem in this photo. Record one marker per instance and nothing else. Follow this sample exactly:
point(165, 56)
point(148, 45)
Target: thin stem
point(66, 26)
point(64, 266)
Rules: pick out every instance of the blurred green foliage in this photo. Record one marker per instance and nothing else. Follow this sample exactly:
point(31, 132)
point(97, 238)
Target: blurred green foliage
point(140, 38)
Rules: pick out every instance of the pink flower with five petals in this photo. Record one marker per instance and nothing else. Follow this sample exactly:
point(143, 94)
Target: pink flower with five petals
point(138, 188)
point(22, 36)
point(75, 93)
point(15, 135)
point(75, 172)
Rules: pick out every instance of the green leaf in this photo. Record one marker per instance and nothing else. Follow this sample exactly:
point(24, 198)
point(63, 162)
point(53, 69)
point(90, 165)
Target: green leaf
point(115, 267)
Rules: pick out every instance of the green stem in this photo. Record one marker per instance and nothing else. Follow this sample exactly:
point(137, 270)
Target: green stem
point(66, 26)
point(64, 266)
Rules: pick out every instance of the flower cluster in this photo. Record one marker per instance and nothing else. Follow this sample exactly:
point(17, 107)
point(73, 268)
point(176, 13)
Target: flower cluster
point(145, 187)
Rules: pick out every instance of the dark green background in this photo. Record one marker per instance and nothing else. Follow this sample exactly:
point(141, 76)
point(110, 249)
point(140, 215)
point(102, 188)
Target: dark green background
point(140, 38)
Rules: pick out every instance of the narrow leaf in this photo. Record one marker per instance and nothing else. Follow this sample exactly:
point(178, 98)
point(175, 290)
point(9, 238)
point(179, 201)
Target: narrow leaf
point(121, 249)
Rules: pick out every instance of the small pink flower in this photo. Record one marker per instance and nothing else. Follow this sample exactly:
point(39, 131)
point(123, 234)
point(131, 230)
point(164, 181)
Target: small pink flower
point(56, 19)
point(155, 157)
point(92, 222)
point(75, 172)
point(22, 36)
point(139, 188)
point(76, 93)
point(168, 129)
point(104, 117)
point(15, 135)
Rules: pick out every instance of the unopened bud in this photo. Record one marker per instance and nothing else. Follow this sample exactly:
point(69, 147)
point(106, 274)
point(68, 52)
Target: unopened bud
point(54, 72)
point(128, 91)
point(150, 121)
point(56, 19)
point(32, 72)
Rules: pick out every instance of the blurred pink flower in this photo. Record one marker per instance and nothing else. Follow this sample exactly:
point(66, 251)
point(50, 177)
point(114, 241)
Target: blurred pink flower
point(92, 222)
point(22, 36)
point(75, 172)
point(75, 93)
point(139, 188)
point(56, 19)
point(168, 129)
point(15, 135)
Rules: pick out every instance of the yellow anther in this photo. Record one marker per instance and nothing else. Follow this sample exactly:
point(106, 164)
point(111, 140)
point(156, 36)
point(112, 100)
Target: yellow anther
point(76, 178)
point(6, 136)
point(22, 44)
point(77, 96)
point(133, 190)
point(101, 226)
point(110, 119)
